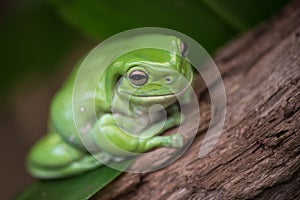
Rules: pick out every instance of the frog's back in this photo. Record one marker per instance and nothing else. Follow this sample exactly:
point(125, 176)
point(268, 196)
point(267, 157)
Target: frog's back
point(61, 115)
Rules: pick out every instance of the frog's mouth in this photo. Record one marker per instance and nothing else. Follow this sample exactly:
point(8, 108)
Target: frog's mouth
point(156, 99)
point(164, 95)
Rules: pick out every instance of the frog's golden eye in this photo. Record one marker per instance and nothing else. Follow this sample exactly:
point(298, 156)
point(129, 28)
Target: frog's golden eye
point(138, 77)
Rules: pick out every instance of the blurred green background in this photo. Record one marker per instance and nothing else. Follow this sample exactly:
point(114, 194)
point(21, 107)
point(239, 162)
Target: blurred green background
point(42, 40)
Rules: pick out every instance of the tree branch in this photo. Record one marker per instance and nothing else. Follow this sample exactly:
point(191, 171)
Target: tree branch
point(258, 154)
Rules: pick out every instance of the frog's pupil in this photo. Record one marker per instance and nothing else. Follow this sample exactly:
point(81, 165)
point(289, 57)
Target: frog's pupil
point(137, 77)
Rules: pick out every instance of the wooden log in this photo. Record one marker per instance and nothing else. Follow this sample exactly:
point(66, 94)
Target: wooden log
point(258, 154)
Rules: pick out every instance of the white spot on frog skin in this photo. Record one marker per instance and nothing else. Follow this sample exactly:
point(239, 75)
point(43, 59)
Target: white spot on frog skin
point(139, 112)
point(144, 121)
point(82, 109)
point(71, 138)
point(118, 159)
point(86, 128)
point(116, 114)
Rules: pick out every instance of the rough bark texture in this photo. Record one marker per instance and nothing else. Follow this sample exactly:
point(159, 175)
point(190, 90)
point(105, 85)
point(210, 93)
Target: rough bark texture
point(258, 153)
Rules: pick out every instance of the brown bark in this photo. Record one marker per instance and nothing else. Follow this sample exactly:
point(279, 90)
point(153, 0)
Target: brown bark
point(258, 154)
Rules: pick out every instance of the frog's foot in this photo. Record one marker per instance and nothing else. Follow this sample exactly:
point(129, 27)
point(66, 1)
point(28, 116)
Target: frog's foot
point(171, 141)
point(105, 158)
point(71, 169)
point(53, 158)
point(176, 141)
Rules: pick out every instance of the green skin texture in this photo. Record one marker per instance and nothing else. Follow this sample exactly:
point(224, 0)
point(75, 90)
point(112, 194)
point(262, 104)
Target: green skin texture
point(61, 153)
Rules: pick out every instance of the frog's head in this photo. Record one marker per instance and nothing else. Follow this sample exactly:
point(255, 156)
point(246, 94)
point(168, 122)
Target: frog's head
point(154, 70)
point(154, 76)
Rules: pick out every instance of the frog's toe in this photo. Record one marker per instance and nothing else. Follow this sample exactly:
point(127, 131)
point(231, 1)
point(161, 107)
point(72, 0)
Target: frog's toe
point(176, 141)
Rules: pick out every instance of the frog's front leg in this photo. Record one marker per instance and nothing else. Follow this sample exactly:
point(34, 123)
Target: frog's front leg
point(174, 140)
point(111, 138)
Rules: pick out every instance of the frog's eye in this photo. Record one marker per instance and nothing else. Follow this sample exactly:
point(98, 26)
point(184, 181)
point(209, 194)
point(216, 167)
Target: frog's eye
point(138, 77)
point(184, 49)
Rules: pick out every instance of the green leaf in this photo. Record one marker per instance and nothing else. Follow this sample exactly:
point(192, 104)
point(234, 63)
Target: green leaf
point(210, 22)
point(78, 187)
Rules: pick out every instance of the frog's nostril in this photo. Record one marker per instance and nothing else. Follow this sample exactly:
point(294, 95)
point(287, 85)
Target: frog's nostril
point(168, 79)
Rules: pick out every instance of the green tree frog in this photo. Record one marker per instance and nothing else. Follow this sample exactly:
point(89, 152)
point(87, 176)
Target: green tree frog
point(134, 82)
